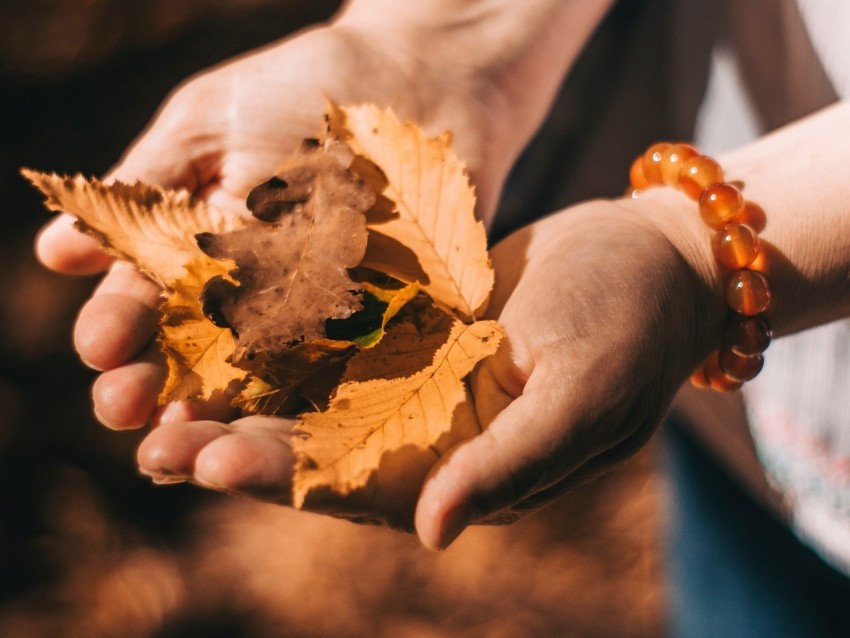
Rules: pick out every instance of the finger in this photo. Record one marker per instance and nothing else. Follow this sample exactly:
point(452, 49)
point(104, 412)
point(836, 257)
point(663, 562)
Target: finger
point(216, 408)
point(61, 247)
point(126, 397)
point(255, 460)
point(168, 453)
point(251, 456)
point(119, 320)
point(501, 466)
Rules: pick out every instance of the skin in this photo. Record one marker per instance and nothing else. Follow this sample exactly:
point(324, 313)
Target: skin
point(608, 306)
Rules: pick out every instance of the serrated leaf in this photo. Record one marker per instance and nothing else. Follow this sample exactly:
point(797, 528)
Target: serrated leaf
point(196, 350)
point(405, 391)
point(149, 226)
point(434, 231)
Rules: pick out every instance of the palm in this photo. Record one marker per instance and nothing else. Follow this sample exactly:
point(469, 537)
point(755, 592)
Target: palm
point(218, 136)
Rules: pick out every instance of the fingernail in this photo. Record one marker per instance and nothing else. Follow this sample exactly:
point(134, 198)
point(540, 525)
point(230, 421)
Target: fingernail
point(454, 523)
point(164, 477)
point(102, 420)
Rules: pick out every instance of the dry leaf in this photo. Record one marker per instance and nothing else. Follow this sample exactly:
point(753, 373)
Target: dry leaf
point(151, 227)
point(405, 391)
point(435, 221)
point(275, 388)
point(292, 275)
point(196, 350)
point(366, 327)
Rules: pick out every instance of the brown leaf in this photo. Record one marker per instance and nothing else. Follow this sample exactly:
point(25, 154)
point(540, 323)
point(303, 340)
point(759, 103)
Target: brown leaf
point(196, 350)
point(434, 202)
point(151, 227)
point(274, 389)
point(404, 392)
point(292, 274)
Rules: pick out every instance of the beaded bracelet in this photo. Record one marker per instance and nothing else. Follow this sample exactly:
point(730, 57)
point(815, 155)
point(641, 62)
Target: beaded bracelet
point(736, 246)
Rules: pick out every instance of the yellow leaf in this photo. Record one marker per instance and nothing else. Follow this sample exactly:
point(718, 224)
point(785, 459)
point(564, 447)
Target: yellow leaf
point(408, 390)
point(434, 223)
point(151, 227)
point(197, 351)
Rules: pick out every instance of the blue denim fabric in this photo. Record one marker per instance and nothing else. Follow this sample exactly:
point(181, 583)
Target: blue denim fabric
point(734, 571)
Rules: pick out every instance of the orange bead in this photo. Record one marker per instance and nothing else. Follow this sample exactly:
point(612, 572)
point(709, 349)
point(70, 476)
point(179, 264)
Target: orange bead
point(747, 335)
point(671, 162)
point(747, 292)
point(739, 367)
point(699, 379)
point(736, 246)
point(717, 379)
point(652, 162)
point(636, 177)
point(697, 174)
point(720, 204)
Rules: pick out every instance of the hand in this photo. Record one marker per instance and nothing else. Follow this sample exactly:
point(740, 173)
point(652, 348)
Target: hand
point(218, 136)
point(608, 307)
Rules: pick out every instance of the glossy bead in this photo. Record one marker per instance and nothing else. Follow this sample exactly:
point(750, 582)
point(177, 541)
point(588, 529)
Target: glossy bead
point(652, 162)
point(720, 204)
point(736, 246)
point(747, 292)
point(636, 177)
point(717, 379)
point(699, 379)
point(671, 162)
point(697, 174)
point(747, 335)
point(739, 367)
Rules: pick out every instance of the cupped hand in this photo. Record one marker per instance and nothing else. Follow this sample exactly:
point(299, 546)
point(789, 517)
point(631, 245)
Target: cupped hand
point(607, 306)
point(219, 135)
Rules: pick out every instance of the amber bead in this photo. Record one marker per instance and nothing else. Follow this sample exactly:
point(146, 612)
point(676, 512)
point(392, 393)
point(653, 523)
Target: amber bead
point(652, 162)
point(699, 379)
point(672, 159)
point(739, 367)
point(748, 335)
point(736, 246)
point(717, 379)
point(747, 292)
point(636, 177)
point(697, 174)
point(720, 204)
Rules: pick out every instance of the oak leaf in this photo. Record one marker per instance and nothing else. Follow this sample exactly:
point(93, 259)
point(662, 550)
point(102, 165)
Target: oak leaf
point(433, 231)
point(292, 274)
point(149, 226)
point(405, 391)
point(197, 351)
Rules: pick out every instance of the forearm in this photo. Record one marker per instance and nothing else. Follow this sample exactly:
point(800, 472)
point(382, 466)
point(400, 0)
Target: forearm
point(508, 56)
point(800, 177)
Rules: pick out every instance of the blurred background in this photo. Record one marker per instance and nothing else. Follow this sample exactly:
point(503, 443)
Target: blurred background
point(90, 548)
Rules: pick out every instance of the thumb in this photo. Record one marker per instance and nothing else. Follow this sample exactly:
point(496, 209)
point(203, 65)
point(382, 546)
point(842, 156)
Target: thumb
point(529, 445)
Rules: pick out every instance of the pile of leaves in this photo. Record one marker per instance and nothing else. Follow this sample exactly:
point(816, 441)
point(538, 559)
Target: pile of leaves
point(349, 299)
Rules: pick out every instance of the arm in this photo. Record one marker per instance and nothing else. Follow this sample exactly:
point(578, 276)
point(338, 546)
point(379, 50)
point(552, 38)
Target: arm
point(616, 303)
point(485, 69)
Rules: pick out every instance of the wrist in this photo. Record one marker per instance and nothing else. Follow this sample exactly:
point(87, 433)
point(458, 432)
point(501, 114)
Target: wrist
point(699, 302)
